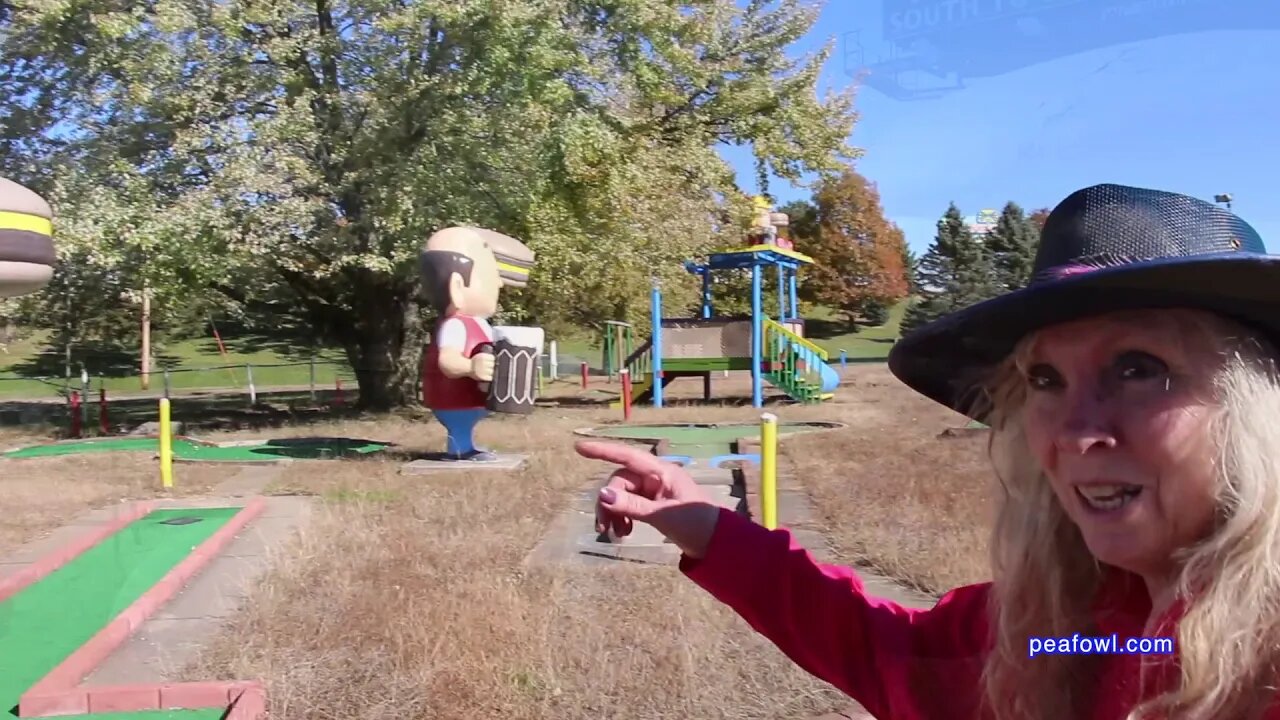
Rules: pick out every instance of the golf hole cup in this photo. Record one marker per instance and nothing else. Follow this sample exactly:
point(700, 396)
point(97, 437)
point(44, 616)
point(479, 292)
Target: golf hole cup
point(516, 351)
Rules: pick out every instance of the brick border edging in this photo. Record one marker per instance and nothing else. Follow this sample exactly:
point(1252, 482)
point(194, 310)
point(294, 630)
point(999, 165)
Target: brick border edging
point(55, 559)
point(57, 693)
point(246, 700)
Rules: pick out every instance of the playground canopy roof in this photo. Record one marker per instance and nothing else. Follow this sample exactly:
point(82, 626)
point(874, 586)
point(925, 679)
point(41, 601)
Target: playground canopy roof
point(756, 255)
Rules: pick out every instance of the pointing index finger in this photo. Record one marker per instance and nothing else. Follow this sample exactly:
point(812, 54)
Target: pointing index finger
point(630, 456)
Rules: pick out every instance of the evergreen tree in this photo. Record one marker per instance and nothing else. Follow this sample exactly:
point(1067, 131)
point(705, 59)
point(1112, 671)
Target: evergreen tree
point(911, 262)
point(955, 273)
point(1012, 246)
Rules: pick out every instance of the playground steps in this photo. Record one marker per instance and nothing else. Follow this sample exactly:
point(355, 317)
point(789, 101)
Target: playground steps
point(798, 388)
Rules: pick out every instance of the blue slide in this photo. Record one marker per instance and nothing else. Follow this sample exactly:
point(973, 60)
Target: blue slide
point(830, 378)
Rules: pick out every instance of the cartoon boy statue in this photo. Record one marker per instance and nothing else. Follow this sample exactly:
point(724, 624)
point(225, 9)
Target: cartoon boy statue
point(463, 269)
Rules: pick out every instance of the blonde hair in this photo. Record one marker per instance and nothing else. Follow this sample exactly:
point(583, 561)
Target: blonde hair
point(1046, 580)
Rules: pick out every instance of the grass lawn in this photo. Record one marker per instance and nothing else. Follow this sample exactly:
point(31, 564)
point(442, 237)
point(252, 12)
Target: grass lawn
point(823, 326)
point(31, 369)
point(869, 344)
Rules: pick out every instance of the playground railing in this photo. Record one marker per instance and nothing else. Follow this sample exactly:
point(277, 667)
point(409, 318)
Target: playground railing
point(794, 363)
point(616, 347)
point(640, 362)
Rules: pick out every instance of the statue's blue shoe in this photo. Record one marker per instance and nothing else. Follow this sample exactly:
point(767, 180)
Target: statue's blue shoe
point(476, 455)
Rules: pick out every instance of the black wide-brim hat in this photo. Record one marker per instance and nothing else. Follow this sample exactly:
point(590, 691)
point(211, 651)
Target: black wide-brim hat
point(1103, 249)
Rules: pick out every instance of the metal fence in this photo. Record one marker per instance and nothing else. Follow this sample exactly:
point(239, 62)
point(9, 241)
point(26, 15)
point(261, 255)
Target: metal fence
point(251, 393)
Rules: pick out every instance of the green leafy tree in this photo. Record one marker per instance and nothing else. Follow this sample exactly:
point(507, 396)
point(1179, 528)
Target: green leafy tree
point(1012, 246)
point(290, 158)
point(955, 272)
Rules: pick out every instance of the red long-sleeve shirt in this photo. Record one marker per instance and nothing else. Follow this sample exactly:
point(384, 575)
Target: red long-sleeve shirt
point(899, 663)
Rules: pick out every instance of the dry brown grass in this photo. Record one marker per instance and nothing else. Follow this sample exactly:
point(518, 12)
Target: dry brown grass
point(38, 495)
point(407, 598)
point(894, 496)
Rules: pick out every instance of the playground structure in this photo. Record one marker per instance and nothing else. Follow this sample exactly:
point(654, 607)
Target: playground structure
point(772, 350)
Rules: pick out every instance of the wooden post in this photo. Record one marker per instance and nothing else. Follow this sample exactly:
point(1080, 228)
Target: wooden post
point(626, 393)
point(584, 375)
point(146, 338)
point(104, 421)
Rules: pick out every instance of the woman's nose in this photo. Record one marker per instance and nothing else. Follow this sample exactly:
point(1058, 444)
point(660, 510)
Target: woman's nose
point(1087, 423)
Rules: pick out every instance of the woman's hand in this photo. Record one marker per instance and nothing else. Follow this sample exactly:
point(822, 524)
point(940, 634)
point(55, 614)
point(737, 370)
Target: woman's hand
point(648, 489)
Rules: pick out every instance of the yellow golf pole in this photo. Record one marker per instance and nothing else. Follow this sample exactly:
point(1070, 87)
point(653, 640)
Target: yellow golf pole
point(166, 445)
point(769, 470)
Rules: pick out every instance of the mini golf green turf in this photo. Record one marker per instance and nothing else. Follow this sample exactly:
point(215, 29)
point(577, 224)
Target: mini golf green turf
point(699, 441)
point(42, 624)
point(185, 449)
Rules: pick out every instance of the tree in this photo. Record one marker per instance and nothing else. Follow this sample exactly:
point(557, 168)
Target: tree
point(1038, 217)
point(955, 272)
point(802, 216)
point(911, 263)
point(1012, 246)
point(857, 252)
point(291, 158)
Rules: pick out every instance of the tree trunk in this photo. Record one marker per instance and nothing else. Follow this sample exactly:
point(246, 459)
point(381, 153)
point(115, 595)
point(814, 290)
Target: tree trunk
point(386, 356)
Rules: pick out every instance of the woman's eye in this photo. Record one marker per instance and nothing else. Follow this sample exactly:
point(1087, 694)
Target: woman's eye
point(1136, 365)
point(1043, 377)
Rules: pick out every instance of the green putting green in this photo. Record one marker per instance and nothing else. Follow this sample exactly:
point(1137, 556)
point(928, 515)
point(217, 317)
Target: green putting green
point(699, 440)
point(42, 624)
point(197, 451)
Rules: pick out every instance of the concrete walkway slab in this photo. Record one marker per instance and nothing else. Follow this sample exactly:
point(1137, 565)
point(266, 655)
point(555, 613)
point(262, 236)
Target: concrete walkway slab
point(505, 461)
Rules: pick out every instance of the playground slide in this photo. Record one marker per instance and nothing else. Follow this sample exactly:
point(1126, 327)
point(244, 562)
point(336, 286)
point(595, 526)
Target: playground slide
point(830, 378)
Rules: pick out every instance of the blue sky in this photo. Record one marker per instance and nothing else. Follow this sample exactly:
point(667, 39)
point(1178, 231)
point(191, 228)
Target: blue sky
point(1052, 95)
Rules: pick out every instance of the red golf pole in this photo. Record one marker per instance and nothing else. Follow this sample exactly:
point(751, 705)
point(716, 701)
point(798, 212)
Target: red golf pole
point(75, 414)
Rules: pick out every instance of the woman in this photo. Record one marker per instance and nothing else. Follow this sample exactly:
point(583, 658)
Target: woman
point(1135, 411)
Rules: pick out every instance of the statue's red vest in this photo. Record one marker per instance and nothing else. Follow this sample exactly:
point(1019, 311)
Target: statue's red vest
point(444, 393)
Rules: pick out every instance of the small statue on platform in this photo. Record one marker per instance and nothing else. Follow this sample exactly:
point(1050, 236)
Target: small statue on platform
point(766, 224)
point(463, 271)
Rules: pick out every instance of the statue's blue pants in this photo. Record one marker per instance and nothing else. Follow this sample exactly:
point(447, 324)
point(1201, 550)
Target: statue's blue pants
point(461, 426)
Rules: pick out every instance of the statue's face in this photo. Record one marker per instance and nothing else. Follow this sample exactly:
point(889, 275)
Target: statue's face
point(479, 297)
point(476, 295)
